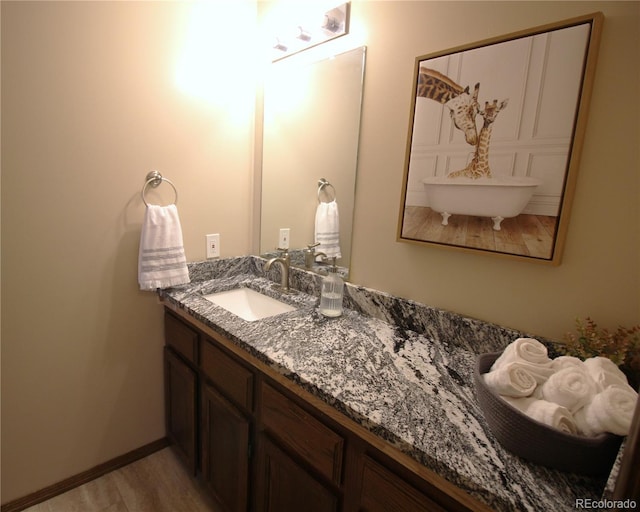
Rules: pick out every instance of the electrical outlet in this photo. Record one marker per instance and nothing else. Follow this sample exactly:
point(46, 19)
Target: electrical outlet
point(213, 246)
point(283, 241)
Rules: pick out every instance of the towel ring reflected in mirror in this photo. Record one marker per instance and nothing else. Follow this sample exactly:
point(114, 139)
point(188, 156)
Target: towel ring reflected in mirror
point(322, 185)
point(154, 179)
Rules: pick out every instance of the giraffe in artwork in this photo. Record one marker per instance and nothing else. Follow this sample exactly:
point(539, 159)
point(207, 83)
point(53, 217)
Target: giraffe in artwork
point(463, 106)
point(479, 165)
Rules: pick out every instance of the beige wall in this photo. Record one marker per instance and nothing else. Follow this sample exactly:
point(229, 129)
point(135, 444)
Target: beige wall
point(90, 105)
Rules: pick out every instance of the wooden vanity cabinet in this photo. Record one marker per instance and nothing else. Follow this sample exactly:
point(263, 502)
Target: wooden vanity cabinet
point(299, 457)
point(227, 415)
point(283, 484)
point(225, 450)
point(181, 389)
point(180, 403)
point(208, 411)
point(382, 490)
point(222, 402)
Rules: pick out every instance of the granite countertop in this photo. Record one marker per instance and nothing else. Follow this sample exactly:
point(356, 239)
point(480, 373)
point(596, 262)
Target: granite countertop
point(401, 369)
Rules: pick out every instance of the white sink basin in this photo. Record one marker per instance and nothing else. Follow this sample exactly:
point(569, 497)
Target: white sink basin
point(249, 304)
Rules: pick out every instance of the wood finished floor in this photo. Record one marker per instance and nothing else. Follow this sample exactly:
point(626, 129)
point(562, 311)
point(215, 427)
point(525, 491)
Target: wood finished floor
point(157, 483)
point(525, 235)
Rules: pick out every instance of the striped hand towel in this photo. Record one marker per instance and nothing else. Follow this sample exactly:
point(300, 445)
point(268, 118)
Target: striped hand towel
point(161, 261)
point(328, 229)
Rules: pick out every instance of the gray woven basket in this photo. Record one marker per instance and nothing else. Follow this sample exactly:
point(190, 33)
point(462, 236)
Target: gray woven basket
point(537, 442)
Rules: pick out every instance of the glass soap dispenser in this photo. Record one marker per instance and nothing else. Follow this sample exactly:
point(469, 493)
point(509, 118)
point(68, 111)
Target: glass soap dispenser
point(331, 293)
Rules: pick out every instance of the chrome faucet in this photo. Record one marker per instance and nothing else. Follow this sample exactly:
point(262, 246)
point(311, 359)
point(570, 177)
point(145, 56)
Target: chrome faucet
point(285, 262)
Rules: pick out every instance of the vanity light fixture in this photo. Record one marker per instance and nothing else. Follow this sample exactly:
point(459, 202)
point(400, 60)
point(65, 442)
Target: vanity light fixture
point(303, 35)
point(330, 25)
point(279, 45)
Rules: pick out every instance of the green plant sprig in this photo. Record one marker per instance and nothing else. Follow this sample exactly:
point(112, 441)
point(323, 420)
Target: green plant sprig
point(622, 346)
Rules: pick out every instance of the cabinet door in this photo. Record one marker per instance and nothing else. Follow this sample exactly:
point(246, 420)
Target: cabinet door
point(284, 486)
point(225, 450)
point(180, 407)
point(308, 437)
point(383, 490)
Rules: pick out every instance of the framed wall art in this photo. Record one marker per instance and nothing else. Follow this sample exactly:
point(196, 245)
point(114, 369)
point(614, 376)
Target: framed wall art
point(495, 136)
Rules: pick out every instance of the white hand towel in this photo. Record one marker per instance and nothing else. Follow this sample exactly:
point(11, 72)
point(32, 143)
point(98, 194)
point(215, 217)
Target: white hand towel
point(512, 379)
point(561, 362)
point(529, 352)
point(611, 410)
point(605, 372)
point(549, 413)
point(571, 387)
point(328, 229)
point(161, 260)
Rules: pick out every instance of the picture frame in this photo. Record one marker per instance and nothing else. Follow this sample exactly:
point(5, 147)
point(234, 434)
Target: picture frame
point(494, 141)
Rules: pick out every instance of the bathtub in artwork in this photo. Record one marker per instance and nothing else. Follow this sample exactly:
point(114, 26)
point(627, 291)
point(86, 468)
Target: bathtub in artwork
point(499, 197)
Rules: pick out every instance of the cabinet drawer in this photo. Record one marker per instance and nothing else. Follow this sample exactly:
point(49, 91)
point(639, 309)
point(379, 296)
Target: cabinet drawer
point(181, 337)
point(383, 490)
point(230, 377)
point(316, 443)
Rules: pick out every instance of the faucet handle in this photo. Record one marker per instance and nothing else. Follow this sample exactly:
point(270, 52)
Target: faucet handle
point(311, 247)
point(285, 251)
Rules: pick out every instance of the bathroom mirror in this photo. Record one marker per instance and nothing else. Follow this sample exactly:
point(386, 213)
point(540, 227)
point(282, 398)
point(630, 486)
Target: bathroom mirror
point(311, 131)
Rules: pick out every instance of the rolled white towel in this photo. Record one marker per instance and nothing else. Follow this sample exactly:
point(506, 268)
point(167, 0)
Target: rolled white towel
point(611, 410)
point(512, 379)
point(571, 387)
point(561, 362)
point(605, 372)
point(538, 371)
point(549, 413)
point(528, 350)
point(530, 353)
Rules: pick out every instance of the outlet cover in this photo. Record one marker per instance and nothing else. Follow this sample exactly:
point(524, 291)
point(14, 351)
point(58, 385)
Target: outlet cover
point(213, 246)
point(283, 240)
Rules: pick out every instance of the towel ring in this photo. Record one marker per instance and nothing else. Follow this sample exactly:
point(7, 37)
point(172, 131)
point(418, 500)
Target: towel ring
point(322, 183)
point(154, 178)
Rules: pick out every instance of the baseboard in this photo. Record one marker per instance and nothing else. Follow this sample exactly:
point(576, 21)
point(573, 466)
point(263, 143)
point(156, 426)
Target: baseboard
point(84, 477)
